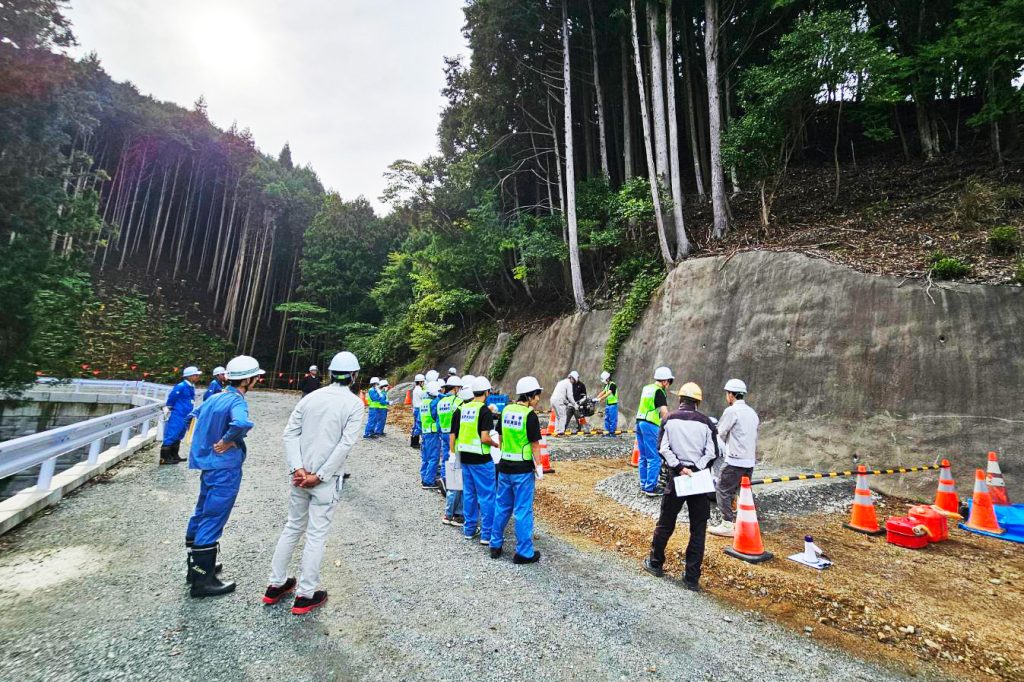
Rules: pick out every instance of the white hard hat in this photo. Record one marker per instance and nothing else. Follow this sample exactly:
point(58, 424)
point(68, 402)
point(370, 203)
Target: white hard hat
point(574, 374)
point(735, 386)
point(453, 381)
point(432, 375)
point(374, 381)
point(467, 381)
point(605, 376)
point(243, 367)
point(218, 370)
point(452, 371)
point(480, 384)
point(527, 385)
point(313, 368)
point(383, 383)
point(433, 387)
point(344, 362)
point(465, 394)
point(663, 374)
point(419, 378)
point(190, 372)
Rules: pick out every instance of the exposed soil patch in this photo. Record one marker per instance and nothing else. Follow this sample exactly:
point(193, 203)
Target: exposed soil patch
point(952, 608)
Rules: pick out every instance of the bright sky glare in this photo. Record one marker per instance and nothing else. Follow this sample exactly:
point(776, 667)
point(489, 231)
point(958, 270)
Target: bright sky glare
point(352, 85)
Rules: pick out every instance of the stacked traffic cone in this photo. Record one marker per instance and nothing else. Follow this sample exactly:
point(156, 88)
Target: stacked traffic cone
point(994, 481)
point(746, 544)
point(863, 519)
point(408, 397)
point(634, 461)
point(945, 497)
point(545, 457)
point(983, 514)
point(362, 396)
point(552, 420)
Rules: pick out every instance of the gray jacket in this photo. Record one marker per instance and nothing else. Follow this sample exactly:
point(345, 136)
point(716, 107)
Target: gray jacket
point(688, 439)
point(322, 429)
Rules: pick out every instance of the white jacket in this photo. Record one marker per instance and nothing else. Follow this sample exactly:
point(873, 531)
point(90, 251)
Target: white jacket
point(417, 396)
point(562, 395)
point(738, 429)
point(322, 429)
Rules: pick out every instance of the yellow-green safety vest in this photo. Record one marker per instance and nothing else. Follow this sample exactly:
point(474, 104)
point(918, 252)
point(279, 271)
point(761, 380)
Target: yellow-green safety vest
point(427, 423)
point(647, 411)
point(469, 429)
point(445, 412)
point(611, 398)
point(515, 445)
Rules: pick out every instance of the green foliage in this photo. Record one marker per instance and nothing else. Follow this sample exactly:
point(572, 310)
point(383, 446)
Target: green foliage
point(948, 268)
point(501, 363)
point(1004, 241)
point(1018, 270)
point(628, 316)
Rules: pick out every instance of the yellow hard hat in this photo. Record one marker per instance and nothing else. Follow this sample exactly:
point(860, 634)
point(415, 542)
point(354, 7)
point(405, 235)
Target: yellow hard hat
point(690, 390)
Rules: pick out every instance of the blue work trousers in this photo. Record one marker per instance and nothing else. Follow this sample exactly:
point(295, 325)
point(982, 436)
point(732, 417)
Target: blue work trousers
point(371, 422)
point(175, 428)
point(382, 418)
point(429, 444)
point(478, 499)
point(650, 460)
point(218, 489)
point(453, 504)
point(514, 498)
point(417, 428)
point(611, 419)
point(442, 439)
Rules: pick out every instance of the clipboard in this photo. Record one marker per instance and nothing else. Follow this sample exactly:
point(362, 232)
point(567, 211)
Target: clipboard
point(699, 482)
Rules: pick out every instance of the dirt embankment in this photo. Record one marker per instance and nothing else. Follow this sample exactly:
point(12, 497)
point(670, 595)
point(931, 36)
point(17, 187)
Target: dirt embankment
point(953, 608)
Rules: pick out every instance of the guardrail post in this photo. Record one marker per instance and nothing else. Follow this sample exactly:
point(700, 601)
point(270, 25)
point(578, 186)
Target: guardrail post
point(46, 470)
point(125, 435)
point(94, 450)
point(146, 428)
point(159, 427)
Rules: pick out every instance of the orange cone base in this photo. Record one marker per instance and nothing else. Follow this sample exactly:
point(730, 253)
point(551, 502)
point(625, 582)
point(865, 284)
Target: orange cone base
point(749, 558)
point(865, 531)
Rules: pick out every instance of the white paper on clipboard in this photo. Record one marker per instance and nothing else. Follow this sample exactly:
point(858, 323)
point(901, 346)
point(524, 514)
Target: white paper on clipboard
point(453, 473)
point(696, 483)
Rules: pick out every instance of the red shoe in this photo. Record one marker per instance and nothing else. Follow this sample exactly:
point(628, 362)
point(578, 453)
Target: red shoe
point(306, 604)
point(274, 594)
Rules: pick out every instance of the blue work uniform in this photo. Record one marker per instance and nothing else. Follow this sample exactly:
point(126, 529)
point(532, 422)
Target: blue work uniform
point(213, 390)
point(520, 429)
point(180, 400)
point(372, 399)
point(225, 417)
point(429, 441)
point(382, 414)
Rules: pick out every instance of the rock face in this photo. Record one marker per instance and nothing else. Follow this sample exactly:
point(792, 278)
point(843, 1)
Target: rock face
point(838, 363)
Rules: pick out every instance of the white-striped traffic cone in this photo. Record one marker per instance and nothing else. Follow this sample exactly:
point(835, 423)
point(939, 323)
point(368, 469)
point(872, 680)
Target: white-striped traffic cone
point(746, 543)
point(994, 481)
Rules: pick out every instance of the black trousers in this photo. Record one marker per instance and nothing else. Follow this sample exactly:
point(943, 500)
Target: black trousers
point(699, 510)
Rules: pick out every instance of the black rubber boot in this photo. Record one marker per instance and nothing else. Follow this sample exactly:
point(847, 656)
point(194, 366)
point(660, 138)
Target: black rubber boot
point(205, 582)
point(167, 455)
point(179, 458)
point(188, 561)
point(414, 442)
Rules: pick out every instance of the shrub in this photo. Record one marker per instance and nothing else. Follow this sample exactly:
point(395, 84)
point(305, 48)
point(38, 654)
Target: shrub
point(628, 316)
point(500, 365)
point(1004, 241)
point(949, 268)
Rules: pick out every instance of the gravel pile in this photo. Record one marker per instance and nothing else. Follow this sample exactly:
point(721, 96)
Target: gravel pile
point(409, 597)
point(570, 448)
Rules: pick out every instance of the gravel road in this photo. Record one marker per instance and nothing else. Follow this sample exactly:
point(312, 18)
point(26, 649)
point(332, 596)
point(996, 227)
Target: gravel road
point(95, 591)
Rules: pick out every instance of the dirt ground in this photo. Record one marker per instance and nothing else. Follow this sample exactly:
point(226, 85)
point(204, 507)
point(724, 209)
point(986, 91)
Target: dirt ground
point(952, 609)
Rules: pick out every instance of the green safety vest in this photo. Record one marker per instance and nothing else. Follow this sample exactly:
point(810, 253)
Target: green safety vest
point(612, 398)
point(647, 411)
point(445, 412)
point(515, 446)
point(372, 402)
point(427, 423)
point(469, 429)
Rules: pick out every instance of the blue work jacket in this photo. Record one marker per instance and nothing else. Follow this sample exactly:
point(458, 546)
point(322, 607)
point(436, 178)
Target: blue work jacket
point(224, 417)
point(213, 390)
point(181, 398)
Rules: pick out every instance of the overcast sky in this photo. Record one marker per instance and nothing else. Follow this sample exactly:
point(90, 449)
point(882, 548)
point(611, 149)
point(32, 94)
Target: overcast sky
point(351, 84)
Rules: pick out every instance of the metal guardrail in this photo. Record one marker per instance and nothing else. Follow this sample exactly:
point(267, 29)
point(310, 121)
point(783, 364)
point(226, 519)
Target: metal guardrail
point(44, 448)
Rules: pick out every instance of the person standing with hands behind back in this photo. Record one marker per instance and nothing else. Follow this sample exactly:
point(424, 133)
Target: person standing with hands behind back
point(321, 431)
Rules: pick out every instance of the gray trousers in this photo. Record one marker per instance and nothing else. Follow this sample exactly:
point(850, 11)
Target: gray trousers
point(561, 417)
point(728, 483)
point(310, 511)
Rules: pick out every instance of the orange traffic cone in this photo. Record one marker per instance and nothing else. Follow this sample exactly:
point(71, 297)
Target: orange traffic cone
point(994, 481)
point(362, 395)
point(552, 420)
point(408, 397)
point(545, 457)
point(746, 544)
point(863, 519)
point(983, 514)
point(634, 461)
point(945, 498)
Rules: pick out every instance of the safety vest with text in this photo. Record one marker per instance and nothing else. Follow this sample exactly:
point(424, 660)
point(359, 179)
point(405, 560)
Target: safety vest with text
point(613, 398)
point(427, 423)
point(647, 411)
point(515, 445)
point(445, 411)
point(469, 429)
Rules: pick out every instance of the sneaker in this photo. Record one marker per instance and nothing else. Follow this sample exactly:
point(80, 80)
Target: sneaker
point(495, 552)
point(432, 486)
point(486, 542)
point(726, 529)
point(274, 594)
point(306, 604)
point(475, 534)
point(656, 571)
point(651, 493)
point(520, 559)
point(458, 521)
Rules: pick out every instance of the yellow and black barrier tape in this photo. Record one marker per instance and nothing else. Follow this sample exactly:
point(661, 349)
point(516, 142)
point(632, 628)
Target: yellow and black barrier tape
point(592, 432)
point(838, 474)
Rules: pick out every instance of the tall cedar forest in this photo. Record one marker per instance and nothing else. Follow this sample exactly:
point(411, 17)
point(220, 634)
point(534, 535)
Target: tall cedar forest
point(138, 237)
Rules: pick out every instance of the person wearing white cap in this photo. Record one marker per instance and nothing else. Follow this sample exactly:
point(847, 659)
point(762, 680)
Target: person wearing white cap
point(452, 372)
point(446, 407)
point(320, 434)
point(563, 400)
point(738, 430)
point(311, 381)
point(610, 395)
point(218, 450)
point(430, 450)
point(375, 406)
point(472, 425)
point(649, 415)
point(220, 381)
point(385, 405)
point(417, 398)
point(177, 412)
